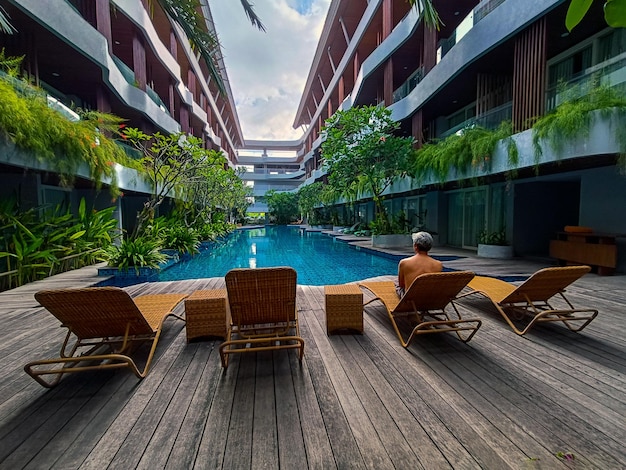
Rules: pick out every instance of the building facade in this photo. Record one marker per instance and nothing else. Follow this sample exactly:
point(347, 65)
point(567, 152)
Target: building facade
point(491, 61)
point(125, 57)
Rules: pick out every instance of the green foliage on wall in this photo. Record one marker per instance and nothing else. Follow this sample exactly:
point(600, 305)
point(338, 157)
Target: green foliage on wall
point(470, 149)
point(572, 119)
point(28, 122)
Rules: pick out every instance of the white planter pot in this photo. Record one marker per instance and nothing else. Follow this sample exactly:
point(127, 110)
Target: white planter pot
point(392, 241)
point(495, 251)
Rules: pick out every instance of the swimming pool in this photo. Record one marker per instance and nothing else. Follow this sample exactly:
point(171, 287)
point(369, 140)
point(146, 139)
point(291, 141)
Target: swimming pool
point(319, 259)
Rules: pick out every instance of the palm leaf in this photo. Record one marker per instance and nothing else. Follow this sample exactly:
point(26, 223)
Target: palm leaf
point(5, 26)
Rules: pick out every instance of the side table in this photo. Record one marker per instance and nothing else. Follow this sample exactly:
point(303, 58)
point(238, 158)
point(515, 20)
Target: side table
point(344, 307)
point(207, 313)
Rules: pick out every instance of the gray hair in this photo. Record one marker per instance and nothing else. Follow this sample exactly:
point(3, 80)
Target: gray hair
point(423, 241)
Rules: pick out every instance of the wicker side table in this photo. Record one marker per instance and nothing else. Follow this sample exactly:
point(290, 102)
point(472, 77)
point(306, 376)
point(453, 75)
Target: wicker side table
point(207, 313)
point(344, 307)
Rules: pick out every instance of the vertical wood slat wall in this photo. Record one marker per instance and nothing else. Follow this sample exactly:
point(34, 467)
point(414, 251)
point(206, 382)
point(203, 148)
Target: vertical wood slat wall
point(430, 49)
point(529, 75)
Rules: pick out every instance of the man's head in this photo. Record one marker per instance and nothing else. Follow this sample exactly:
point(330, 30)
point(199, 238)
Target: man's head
point(422, 241)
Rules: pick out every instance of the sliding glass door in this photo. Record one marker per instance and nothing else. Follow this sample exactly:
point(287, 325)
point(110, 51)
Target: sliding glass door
point(467, 213)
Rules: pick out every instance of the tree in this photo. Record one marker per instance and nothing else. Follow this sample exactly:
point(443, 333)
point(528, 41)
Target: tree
point(171, 163)
point(283, 206)
point(614, 13)
point(361, 154)
point(309, 197)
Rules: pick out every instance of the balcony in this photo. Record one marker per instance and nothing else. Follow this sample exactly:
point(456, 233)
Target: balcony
point(407, 87)
point(129, 76)
point(611, 72)
point(489, 120)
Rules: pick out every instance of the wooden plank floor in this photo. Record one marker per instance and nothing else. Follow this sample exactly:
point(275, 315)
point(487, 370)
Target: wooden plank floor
point(355, 401)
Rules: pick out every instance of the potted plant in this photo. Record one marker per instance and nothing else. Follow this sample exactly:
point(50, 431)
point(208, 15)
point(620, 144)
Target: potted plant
point(494, 244)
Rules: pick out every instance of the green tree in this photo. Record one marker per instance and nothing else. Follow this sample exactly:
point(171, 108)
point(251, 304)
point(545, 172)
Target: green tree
point(283, 206)
point(362, 155)
point(172, 163)
point(215, 188)
point(309, 197)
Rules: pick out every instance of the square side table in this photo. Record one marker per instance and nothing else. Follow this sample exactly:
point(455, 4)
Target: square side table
point(207, 313)
point(344, 307)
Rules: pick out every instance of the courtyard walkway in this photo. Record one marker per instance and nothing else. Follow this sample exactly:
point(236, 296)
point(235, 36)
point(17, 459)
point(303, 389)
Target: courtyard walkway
point(551, 399)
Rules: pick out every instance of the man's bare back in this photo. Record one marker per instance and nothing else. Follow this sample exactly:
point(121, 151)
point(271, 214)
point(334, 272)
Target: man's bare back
point(420, 263)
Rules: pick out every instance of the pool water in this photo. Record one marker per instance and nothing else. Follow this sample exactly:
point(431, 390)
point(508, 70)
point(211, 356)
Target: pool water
point(319, 259)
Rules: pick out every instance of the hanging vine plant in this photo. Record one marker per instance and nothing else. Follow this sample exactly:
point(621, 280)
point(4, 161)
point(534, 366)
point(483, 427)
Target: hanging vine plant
point(470, 149)
point(28, 122)
point(572, 119)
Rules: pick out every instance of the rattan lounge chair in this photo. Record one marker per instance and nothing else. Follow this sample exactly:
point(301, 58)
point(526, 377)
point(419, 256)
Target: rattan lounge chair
point(427, 297)
point(107, 323)
point(531, 298)
point(263, 311)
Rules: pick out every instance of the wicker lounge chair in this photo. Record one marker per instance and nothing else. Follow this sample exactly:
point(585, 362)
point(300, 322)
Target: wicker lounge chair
point(428, 296)
point(107, 323)
point(263, 311)
point(530, 299)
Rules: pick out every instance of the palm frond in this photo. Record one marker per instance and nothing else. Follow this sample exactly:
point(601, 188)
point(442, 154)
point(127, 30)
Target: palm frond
point(251, 14)
point(5, 26)
point(185, 13)
point(428, 12)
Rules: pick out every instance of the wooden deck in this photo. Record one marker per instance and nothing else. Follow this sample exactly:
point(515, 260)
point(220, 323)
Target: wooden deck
point(356, 401)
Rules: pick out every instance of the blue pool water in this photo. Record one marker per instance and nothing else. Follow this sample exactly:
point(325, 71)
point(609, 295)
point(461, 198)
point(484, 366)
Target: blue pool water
point(319, 259)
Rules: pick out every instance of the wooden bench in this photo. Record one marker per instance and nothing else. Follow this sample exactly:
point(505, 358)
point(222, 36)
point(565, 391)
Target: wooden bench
point(597, 250)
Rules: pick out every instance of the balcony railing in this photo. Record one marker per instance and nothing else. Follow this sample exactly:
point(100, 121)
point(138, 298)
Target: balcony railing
point(477, 14)
point(489, 120)
point(403, 90)
point(129, 76)
point(611, 72)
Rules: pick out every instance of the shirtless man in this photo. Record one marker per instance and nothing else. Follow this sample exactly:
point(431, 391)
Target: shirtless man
point(420, 263)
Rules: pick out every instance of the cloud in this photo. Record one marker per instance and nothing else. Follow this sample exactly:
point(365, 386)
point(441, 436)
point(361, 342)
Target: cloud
point(267, 71)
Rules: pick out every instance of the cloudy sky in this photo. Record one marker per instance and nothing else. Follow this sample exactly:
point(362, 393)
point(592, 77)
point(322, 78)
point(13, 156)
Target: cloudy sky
point(267, 70)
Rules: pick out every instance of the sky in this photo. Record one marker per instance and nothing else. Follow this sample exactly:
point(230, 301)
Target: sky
point(267, 70)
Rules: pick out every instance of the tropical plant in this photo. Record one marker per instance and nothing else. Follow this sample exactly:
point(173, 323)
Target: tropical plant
point(614, 13)
point(471, 148)
point(309, 197)
point(5, 26)
point(572, 118)
point(283, 206)
point(497, 237)
point(214, 190)
point(36, 246)
point(182, 239)
point(136, 253)
point(172, 164)
point(187, 14)
point(427, 9)
point(28, 121)
point(362, 154)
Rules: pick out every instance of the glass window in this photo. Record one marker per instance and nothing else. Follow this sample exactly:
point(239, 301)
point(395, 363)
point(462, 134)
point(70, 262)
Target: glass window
point(466, 217)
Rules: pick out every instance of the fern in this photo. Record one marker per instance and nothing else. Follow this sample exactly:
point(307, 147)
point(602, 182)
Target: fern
point(572, 119)
point(470, 149)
